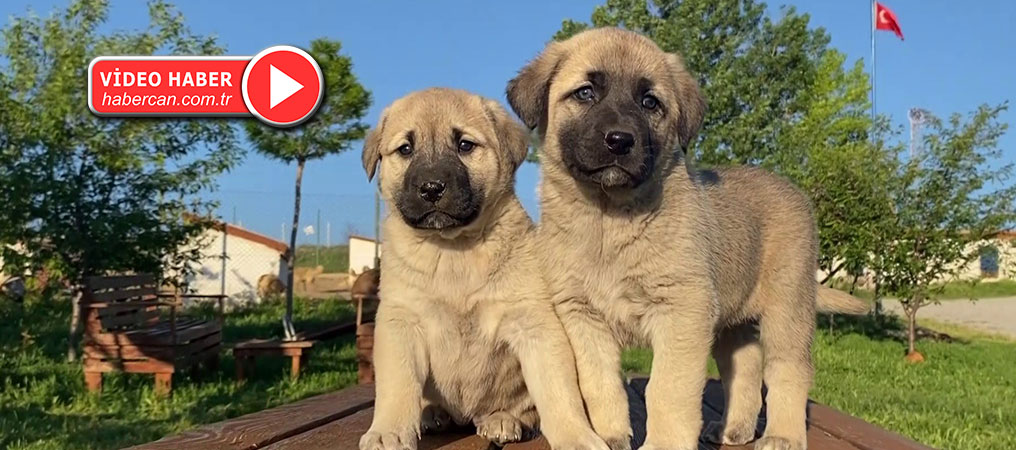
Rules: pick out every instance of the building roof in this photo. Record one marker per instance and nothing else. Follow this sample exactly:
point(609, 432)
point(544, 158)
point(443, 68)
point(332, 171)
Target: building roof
point(243, 233)
point(361, 237)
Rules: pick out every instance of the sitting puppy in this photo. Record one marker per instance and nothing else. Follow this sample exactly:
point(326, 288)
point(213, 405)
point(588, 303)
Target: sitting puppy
point(466, 324)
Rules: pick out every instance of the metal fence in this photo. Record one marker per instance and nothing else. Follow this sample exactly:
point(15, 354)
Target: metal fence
point(256, 234)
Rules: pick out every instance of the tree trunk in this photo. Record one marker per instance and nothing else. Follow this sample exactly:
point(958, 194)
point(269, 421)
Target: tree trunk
point(911, 330)
point(75, 326)
point(878, 298)
point(291, 256)
point(853, 285)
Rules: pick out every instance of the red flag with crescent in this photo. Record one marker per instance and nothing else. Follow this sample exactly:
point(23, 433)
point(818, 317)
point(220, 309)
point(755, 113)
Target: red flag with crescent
point(885, 19)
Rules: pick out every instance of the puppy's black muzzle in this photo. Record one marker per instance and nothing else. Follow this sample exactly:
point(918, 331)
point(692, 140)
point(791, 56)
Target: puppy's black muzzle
point(437, 194)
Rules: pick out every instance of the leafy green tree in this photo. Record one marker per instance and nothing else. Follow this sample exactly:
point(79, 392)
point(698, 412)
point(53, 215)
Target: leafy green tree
point(950, 198)
point(85, 195)
point(828, 154)
point(754, 71)
point(333, 129)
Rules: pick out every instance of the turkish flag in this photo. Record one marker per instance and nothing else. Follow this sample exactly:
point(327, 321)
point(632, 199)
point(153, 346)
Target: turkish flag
point(886, 20)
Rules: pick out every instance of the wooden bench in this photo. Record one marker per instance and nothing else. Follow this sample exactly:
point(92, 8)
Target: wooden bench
point(366, 309)
point(124, 331)
point(337, 420)
point(297, 350)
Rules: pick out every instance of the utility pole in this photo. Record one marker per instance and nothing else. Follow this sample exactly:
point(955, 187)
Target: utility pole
point(916, 116)
point(317, 257)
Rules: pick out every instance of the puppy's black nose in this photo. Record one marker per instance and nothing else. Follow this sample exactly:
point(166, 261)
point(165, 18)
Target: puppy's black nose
point(432, 191)
point(619, 142)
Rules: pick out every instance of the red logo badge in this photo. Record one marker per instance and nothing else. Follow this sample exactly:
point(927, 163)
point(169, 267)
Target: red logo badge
point(282, 86)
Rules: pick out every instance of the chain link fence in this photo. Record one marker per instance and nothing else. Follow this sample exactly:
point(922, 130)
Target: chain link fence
point(241, 258)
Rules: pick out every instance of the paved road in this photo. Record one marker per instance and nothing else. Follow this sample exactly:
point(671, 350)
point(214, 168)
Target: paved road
point(996, 315)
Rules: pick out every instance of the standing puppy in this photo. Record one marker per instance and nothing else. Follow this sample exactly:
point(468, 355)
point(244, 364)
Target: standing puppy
point(466, 324)
point(640, 249)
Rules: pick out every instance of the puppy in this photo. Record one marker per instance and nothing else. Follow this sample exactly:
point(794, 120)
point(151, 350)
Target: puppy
point(466, 326)
point(639, 248)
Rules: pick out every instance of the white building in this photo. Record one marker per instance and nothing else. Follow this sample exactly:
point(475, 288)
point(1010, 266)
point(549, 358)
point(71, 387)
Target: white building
point(361, 253)
point(248, 256)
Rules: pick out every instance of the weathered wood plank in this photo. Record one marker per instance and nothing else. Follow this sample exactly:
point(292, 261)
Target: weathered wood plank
point(817, 438)
point(862, 434)
point(144, 292)
point(342, 434)
point(128, 352)
point(186, 331)
point(143, 366)
point(271, 344)
point(118, 281)
point(114, 319)
point(263, 428)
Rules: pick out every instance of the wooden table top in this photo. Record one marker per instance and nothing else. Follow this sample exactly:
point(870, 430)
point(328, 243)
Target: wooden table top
point(337, 420)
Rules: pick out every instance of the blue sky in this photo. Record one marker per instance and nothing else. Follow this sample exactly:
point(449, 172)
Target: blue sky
point(955, 57)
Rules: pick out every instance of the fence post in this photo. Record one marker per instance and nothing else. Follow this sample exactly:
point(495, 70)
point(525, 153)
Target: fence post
point(225, 234)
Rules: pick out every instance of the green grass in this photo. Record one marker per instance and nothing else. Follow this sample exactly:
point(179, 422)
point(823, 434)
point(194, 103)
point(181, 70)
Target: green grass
point(959, 398)
point(955, 290)
point(44, 404)
point(334, 259)
point(961, 290)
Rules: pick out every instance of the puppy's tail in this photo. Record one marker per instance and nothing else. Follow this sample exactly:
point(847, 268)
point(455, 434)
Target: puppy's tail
point(836, 301)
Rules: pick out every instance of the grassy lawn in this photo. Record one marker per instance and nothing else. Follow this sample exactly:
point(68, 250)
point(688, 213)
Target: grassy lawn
point(957, 290)
point(334, 259)
point(960, 398)
point(44, 405)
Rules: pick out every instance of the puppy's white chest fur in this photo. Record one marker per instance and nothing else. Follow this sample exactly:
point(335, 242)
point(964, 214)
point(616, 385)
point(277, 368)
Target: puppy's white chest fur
point(455, 300)
point(608, 273)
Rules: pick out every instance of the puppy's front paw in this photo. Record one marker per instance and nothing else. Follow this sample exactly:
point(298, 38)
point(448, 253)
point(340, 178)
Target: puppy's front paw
point(500, 428)
point(434, 419)
point(717, 432)
point(779, 443)
point(379, 440)
point(619, 442)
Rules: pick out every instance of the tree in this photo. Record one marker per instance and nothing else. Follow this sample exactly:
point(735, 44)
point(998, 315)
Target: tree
point(753, 71)
point(332, 130)
point(950, 199)
point(85, 195)
point(828, 154)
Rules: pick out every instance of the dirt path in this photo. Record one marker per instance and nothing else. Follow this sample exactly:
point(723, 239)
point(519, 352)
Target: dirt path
point(996, 315)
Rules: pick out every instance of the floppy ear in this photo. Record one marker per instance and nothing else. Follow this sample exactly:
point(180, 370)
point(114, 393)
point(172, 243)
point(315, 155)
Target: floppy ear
point(528, 91)
point(511, 135)
point(691, 104)
point(372, 147)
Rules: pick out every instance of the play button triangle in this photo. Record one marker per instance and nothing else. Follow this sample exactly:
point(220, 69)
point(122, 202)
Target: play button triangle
point(281, 86)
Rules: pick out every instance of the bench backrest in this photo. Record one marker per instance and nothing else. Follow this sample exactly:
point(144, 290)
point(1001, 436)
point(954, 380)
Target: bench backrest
point(118, 292)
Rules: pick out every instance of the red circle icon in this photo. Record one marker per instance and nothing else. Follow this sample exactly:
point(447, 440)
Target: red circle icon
point(282, 86)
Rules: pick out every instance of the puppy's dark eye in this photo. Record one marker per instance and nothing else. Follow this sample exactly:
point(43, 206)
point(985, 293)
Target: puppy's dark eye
point(466, 146)
point(405, 150)
point(584, 93)
point(650, 102)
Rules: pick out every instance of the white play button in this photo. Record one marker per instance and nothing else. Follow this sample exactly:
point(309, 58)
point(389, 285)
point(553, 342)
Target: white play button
point(281, 86)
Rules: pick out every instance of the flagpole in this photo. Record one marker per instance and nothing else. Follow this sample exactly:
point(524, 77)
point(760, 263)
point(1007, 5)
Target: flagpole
point(873, 18)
